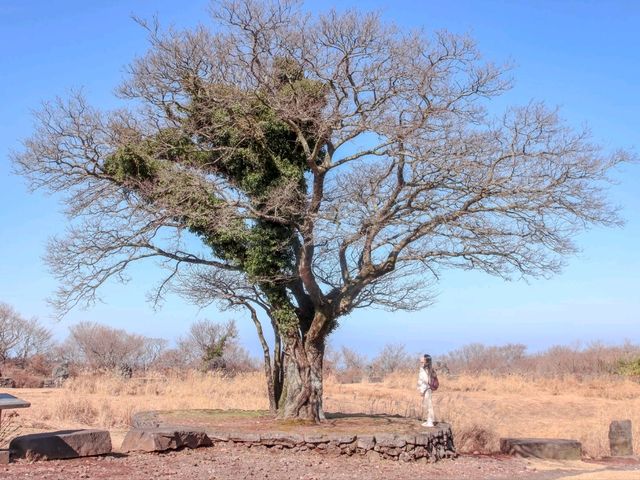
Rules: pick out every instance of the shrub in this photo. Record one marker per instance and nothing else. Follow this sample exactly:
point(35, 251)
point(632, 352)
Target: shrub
point(629, 368)
point(8, 428)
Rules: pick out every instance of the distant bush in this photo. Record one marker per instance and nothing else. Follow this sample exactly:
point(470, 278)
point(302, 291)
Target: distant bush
point(349, 366)
point(100, 347)
point(393, 358)
point(209, 346)
point(559, 360)
point(630, 368)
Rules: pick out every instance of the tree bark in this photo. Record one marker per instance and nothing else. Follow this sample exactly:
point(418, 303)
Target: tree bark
point(302, 386)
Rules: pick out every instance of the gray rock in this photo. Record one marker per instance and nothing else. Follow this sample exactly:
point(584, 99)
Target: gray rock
point(61, 444)
point(366, 442)
point(389, 440)
point(281, 438)
point(244, 437)
point(342, 439)
point(217, 436)
point(620, 438)
point(551, 448)
point(407, 457)
point(423, 439)
point(373, 457)
point(315, 438)
point(60, 374)
point(4, 457)
point(409, 439)
point(161, 439)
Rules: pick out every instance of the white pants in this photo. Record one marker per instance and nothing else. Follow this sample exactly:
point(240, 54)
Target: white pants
point(427, 405)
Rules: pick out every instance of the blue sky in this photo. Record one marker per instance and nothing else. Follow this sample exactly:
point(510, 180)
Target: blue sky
point(582, 56)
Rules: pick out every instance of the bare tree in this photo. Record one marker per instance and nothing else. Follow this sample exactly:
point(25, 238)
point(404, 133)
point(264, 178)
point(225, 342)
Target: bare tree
point(106, 348)
point(10, 322)
point(21, 338)
point(152, 349)
point(207, 342)
point(36, 340)
point(393, 358)
point(326, 163)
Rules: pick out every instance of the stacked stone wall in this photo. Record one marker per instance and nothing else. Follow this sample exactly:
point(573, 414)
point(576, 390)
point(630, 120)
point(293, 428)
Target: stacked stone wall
point(430, 446)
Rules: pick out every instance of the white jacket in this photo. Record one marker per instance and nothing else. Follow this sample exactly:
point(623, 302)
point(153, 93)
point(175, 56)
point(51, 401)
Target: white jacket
point(423, 381)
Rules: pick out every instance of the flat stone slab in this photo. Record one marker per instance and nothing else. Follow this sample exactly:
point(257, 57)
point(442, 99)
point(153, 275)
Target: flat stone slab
point(549, 448)
point(61, 445)
point(163, 439)
point(4, 457)
point(9, 401)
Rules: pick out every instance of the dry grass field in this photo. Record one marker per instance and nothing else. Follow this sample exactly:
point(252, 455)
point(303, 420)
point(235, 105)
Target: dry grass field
point(481, 408)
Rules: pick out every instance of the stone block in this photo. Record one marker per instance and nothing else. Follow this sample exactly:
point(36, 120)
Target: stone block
point(316, 438)
point(366, 442)
point(342, 439)
point(550, 448)
point(62, 444)
point(218, 436)
point(4, 457)
point(281, 438)
point(389, 440)
point(244, 437)
point(408, 439)
point(620, 438)
point(160, 440)
point(423, 439)
point(407, 457)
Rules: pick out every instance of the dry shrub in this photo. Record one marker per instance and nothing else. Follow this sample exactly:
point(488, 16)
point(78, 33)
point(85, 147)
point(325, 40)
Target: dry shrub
point(475, 438)
point(24, 379)
point(40, 365)
point(348, 376)
point(77, 411)
point(8, 428)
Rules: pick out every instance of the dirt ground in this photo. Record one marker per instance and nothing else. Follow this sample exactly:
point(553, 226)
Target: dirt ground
point(236, 462)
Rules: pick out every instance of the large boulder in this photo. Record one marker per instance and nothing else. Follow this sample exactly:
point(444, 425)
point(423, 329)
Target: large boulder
point(163, 439)
point(551, 448)
point(62, 444)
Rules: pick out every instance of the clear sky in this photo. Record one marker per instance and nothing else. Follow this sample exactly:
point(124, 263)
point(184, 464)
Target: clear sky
point(583, 56)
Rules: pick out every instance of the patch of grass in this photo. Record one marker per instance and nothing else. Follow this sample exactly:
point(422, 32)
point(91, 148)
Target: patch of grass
point(217, 414)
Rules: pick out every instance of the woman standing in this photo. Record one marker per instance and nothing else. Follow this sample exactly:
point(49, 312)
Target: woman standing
point(427, 383)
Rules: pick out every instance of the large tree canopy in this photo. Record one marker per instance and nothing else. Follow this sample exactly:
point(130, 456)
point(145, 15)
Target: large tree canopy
point(323, 163)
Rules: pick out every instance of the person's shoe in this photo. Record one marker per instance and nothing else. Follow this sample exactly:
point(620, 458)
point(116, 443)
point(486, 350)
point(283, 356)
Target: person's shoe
point(427, 424)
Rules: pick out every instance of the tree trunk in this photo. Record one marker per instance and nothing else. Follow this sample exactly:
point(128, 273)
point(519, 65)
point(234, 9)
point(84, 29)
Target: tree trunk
point(302, 387)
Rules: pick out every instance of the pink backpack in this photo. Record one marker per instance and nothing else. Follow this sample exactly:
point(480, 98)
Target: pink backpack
point(433, 382)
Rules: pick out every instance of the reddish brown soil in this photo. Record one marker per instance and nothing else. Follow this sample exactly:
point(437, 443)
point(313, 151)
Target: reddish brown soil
point(235, 462)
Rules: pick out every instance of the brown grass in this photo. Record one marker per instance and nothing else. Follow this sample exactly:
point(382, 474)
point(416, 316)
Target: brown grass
point(481, 408)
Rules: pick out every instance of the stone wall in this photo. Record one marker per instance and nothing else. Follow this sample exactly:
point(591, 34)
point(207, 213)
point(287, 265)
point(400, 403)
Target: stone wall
point(429, 446)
